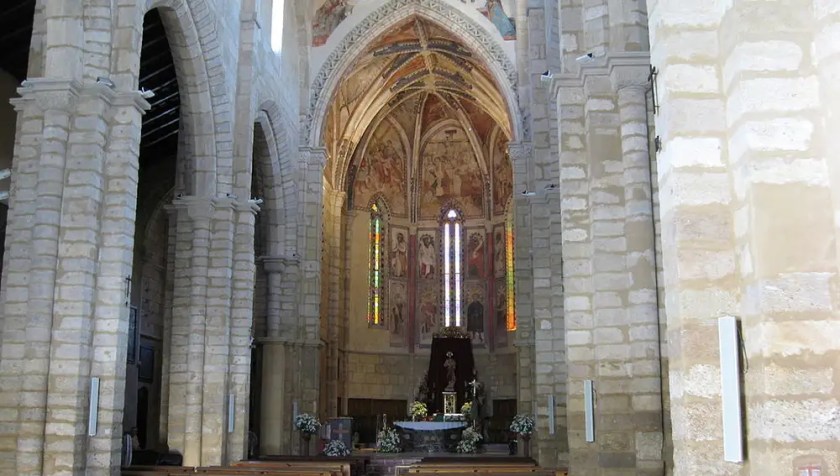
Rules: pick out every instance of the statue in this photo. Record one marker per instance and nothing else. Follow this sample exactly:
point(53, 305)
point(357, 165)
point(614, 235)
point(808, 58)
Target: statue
point(423, 394)
point(450, 365)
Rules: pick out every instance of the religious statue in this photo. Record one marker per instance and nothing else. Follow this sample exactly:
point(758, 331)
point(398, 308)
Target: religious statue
point(450, 365)
point(423, 394)
point(475, 394)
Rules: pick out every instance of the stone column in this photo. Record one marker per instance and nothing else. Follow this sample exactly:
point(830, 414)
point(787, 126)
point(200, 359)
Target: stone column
point(333, 211)
point(785, 233)
point(696, 211)
point(521, 156)
point(241, 325)
point(275, 411)
point(116, 253)
point(642, 310)
point(193, 217)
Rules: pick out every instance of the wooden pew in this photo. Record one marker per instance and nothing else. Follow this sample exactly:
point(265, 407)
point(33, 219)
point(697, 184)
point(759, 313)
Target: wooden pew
point(358, 463)
point(343, 466)
point(156, 470)
point(300, 470)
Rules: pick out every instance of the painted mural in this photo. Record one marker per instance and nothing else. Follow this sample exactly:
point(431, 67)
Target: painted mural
point(428, 311)
point(497, 12)
point(499, 251)
point(427, 255)
point(398, 312)
point(502, 176)
point(381, 170)
point(398, 253)
point(500, 313)
point(475, 255)
point(328, 15)
point(450, 173)
point(475, 305)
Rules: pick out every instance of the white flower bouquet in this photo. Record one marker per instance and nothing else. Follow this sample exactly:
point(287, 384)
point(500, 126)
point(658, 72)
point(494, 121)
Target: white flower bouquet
point(522, 424)
point(469, 441)
point(336, 448)
point(307, 424)
point(388, 441)
point(418, 410)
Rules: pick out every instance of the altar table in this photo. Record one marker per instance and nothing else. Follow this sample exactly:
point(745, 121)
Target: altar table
point(430, 436)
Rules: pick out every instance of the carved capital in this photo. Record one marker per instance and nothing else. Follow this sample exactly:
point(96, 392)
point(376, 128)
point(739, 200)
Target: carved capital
point(279, 264)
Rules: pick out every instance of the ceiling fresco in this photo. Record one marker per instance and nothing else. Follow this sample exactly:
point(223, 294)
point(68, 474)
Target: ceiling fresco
point(420, 89)
point(328, 14)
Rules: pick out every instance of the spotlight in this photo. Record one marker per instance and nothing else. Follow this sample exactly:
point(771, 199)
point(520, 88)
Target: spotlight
point(546, 77)
point(147, 94)
point(585, 58)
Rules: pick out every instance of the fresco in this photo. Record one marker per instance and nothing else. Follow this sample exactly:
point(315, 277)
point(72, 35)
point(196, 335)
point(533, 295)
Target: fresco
point(428, 311)
point(502, 176)
point(476, 310)
point(475, 255)
point(450, 173)
point(500, 313)
point(382, 171)
point(427, 254)
point(397, 312)
point(398, 253)
point(499, 251)
point(498, 11)
point(328, 15)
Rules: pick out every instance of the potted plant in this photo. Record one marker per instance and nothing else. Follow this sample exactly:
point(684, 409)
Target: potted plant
point(388, 441)
point(307, 425)
point(523, 425)
point(418, 411)
point(469, 441)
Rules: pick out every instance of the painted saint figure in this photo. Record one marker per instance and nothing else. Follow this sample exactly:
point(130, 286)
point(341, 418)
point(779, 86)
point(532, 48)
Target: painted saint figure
point(496, 14)
point(327, 18)
point(475, 319)
point(399, 260)
point(475, 260)
point(498, 253)
point(427, 256)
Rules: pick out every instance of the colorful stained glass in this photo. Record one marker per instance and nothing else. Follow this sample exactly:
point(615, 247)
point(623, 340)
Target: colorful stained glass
point(511, 288)
point(376, 255)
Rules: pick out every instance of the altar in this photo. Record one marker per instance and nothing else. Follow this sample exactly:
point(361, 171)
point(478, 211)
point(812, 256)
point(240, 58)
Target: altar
point(429, 436)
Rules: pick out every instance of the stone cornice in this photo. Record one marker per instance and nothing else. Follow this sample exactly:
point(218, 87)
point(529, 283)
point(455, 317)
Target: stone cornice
point(625, 69)
point(50, 93)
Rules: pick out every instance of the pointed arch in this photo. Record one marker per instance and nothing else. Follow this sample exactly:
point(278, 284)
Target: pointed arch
point(342, 58)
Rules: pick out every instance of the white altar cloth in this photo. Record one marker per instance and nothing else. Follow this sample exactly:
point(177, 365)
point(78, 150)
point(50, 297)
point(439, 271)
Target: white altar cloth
point(430, 425)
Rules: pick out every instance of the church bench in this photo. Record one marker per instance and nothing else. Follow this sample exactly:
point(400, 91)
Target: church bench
point(342, 466)
point(156, 470)
point(358, 463)
point(299, 470)
point(497, 471)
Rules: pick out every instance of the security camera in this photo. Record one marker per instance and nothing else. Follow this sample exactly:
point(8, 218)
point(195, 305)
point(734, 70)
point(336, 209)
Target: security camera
point(147, 94)
point(584, 58)
point(528, 194)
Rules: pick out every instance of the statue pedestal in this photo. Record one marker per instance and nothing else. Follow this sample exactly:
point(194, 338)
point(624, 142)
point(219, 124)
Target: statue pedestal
point(450, 403)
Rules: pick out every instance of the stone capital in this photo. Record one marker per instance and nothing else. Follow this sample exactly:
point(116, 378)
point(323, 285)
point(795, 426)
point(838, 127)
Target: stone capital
point(195, 207)
point(279, 264)
point(315, 156)
point(47, 94)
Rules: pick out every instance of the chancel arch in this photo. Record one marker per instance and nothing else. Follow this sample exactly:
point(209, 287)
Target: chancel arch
point(419, 125)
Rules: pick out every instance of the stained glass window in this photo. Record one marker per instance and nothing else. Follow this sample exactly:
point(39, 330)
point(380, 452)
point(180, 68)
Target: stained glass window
point(376, 266)
point(452, 267)
point(277, 10)
point(511, 305)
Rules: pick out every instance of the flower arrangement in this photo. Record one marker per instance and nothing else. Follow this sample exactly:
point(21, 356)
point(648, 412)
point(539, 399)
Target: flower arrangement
point(466, 410)
point(388, 441)
point(418, 410)
point(307, 424)
point(469, 441)
point(522, 424)
point(336, 448)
